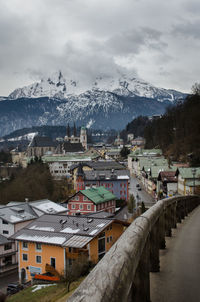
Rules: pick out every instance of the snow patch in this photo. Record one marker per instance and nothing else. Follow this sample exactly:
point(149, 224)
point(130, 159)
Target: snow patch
point(70, 231)
point(35, 227)
point(93, 232)
point(45, 239)
point(40, 286)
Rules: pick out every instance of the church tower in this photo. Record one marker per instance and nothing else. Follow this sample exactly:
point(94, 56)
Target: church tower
point(83, 137)
point(80, 178)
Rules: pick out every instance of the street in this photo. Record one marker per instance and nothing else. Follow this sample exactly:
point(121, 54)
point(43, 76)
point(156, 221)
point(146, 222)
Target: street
point(140, 195)
point(6, 279)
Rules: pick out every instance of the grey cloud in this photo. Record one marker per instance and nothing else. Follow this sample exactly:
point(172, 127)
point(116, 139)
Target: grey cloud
point(130, 42)
point(188, 29)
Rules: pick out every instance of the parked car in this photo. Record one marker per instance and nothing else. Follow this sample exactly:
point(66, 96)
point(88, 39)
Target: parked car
point(14, 288)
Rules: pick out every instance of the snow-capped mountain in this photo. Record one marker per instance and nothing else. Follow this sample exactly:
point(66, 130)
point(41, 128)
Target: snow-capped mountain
point(58, 87)
point(107, 103)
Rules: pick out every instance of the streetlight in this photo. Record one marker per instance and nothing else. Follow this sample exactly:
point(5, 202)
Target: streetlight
point(194, 170)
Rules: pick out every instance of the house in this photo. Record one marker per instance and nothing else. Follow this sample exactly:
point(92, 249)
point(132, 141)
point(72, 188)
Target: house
point(167, 183)
point(188, 180)
point(8, 257)
point(139, 154)
point(39, 207)
point(92, 200)
point(55, 241)
point(15, 216)
point(116, 181)
point(95, 166)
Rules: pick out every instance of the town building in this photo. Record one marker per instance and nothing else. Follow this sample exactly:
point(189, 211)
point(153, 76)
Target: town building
point(8, 257)
point(60, 165)
point(41, 145)
point(167, 183)
point(74, 139)
point(96, 165)
point(116, 181)
point(188, 180)
point(91, 200)
point(57, 240)
point(15, 216)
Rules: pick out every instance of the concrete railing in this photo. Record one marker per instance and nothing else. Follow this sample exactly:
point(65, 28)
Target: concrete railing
point(123, 273)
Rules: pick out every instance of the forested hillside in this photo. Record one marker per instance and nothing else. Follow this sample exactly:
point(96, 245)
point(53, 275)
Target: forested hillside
point(177, 133)
point(35, 182)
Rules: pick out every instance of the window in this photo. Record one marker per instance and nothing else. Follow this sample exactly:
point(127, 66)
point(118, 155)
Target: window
point(24, 245)
point(24, 257)
point(110, 238)
point(53, 262)
point(38, 246)
point(7, 246)
point(80, 206)
point(77, 198)
point(107, 239)
point(38, 259)
point(4, 222)
point(69, 249)
point(5, 232)
point(84, 198)
point(89, 207)
point(73, 206)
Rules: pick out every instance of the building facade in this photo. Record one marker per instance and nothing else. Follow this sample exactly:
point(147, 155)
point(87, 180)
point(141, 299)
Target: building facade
point(92, 200)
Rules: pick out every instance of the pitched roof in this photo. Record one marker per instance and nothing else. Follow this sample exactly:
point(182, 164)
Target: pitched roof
point(188, 172)
point(101, 165)
point(15, 214)
point(73, 147)
point(4, 240)
point(168, 176)
point(98, 195)
point(42, 141)
point(107, 174)
point(63, 230)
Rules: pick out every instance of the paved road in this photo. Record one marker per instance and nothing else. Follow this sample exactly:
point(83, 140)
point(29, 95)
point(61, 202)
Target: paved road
point(179, 278)
point(140, 195)
point(5, 280)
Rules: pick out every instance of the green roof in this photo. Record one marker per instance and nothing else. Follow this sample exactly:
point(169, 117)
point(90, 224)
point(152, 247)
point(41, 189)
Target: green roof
point(157, 169)
point(71, 157)
point(98, 195)
point(146, 152)
point(187, 172)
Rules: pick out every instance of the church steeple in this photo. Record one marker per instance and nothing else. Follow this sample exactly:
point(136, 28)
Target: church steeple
point(68, 130)
point(74, 130)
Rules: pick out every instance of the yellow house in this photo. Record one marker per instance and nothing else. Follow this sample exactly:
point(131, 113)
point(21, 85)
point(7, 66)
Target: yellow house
point(53, 241)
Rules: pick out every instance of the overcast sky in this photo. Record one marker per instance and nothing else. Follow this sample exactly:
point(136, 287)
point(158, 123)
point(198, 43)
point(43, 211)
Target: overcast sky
point(159, 41)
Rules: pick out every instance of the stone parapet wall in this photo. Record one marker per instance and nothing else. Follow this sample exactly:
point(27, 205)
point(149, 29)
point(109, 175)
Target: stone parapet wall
point(123, 273)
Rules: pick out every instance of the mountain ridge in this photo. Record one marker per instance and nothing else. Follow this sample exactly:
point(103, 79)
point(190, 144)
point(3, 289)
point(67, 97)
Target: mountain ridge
point(106, 105)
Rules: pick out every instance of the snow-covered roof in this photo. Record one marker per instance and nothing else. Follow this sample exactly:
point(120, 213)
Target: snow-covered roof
point(48, 206)
point(63, 230)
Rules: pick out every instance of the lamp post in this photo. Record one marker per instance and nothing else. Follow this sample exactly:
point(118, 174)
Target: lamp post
point(194, 170)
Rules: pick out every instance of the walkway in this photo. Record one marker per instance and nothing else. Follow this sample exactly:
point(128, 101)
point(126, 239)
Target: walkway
point(179, 276)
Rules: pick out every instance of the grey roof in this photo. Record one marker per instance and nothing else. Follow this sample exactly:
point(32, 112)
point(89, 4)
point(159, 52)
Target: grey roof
point(15, 214)
point(4, 240)
point(47, 206)
point(100, 214)
point(73, 147)
point(64, 230)
point(101, 165)
point(107, 175)
point(42, 141)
